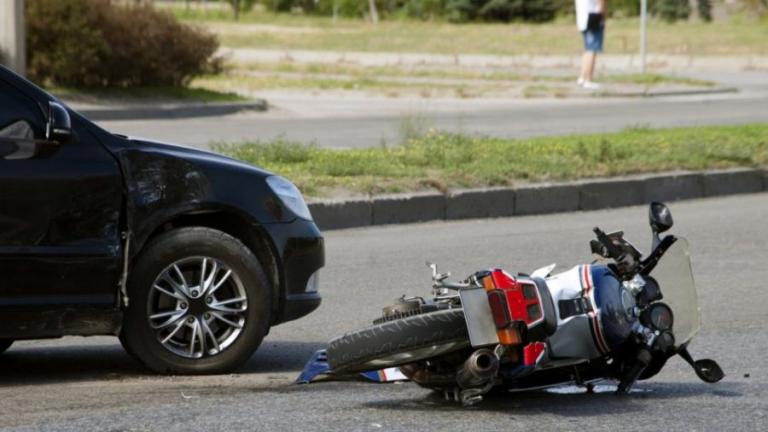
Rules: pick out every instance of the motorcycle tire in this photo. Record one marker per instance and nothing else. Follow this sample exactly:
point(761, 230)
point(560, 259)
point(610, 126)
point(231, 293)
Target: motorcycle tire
point(398, 342)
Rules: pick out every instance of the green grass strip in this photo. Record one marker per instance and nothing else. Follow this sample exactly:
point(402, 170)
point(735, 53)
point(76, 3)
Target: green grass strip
point(437, 160)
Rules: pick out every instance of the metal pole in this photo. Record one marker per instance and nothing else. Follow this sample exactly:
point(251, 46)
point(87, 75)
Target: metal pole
point(643, 37)
point(12, 46)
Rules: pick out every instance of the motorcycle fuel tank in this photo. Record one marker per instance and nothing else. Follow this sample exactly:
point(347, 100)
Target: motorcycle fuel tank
point(593, 317)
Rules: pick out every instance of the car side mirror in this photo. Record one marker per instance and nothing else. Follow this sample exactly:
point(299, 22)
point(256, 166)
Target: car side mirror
point(59, 126)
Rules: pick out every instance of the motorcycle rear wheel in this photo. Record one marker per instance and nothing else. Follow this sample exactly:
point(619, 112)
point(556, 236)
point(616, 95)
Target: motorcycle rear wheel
point(398, 342)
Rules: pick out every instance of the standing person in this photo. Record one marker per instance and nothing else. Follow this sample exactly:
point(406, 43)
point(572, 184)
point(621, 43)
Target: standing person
point(590, 19)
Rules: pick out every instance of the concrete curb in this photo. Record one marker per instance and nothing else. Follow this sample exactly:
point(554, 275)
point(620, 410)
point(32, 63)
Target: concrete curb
point(536, 199)
point(664, 93)
point(169, 111)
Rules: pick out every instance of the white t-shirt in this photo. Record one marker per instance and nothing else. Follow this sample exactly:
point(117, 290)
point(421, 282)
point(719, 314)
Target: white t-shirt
point(583, 9)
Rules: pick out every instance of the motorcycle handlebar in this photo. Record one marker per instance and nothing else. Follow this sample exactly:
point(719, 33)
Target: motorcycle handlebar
point(451, 285)
point(614, 251)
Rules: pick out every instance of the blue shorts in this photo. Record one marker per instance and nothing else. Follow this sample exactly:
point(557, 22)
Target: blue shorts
point(593, 39)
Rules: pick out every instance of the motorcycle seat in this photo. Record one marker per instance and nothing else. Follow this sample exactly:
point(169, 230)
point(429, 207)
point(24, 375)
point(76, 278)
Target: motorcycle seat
point(548, 308)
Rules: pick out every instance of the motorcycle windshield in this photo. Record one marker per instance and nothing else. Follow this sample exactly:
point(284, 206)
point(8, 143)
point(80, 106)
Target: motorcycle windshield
point(675, 277)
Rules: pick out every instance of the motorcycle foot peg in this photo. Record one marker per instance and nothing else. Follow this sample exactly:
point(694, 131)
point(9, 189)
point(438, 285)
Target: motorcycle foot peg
point(471, 397)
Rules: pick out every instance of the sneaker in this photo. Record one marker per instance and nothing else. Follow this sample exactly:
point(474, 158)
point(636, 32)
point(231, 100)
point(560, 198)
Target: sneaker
point(580, 82)
point(590, 85)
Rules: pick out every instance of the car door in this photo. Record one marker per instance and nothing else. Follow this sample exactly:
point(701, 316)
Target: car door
point(60, 234)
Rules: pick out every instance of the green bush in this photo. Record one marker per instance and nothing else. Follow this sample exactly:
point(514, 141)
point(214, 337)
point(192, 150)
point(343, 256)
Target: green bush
point(91, 43)
point(501, 10)
point(624, 8)
point(346, 8)
point(453, 10)
point(423, 9)
point(240, 6)
point(671, 10)
point(705, 9)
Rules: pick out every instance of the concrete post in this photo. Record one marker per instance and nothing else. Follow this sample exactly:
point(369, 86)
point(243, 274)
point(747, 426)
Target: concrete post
point(12, 35)
point(643, 34)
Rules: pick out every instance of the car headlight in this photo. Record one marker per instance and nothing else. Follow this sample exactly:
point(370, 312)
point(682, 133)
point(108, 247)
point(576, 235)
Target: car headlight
point(290, 196)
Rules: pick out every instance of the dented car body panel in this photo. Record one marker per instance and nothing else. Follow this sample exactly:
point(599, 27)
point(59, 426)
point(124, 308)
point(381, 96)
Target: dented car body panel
point(68, 211)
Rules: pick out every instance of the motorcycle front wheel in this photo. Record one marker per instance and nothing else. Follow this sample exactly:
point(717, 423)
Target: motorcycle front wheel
point(399, 341)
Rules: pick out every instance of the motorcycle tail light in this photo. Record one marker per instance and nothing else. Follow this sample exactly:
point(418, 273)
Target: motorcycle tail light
point(498, 301)
point(512, 301)
point(534, 312)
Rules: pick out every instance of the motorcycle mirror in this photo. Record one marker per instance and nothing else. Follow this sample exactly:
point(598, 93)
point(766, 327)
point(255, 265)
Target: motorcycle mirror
point(660, 217)
point(708, 370)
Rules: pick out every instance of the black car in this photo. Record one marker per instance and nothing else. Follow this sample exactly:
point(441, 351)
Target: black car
point(188, 256)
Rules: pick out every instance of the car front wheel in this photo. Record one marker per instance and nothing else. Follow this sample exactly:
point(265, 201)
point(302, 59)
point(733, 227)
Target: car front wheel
point(198, 303)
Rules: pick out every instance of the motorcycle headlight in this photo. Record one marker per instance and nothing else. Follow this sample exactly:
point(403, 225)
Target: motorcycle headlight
point(290, 195)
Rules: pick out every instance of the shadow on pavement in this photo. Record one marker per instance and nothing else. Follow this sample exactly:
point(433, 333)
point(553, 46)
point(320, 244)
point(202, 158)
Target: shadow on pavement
point(72, 363)
point(566, 405)
point(281, 356)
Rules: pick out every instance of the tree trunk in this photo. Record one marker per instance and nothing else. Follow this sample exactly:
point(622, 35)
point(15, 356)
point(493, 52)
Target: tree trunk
point(374, 12)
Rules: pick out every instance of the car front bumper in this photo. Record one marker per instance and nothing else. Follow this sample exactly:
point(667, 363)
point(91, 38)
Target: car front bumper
point(302, 253)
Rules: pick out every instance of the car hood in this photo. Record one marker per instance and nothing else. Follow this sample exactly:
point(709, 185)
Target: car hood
point(192, 154)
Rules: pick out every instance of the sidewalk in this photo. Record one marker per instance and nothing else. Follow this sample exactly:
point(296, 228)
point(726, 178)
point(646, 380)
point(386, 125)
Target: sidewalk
point(475, 88)
point(473, 76)
point(613, 62)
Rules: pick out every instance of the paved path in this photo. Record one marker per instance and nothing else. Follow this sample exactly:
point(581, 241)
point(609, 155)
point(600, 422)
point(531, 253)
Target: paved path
point(356, 121)
point(622, 62)
point(79, 384)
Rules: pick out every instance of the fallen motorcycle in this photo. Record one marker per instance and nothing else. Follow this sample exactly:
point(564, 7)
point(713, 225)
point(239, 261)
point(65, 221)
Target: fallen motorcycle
point(620, 318)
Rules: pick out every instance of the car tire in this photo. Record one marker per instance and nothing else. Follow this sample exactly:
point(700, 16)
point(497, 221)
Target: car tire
point(149, 286)
point(399, 341)
point(5, 344)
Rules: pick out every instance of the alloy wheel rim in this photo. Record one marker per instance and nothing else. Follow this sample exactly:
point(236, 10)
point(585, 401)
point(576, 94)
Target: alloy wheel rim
point(197, 307)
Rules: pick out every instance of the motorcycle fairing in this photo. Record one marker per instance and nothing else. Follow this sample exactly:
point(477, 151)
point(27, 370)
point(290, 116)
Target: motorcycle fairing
point(578, 336)
point(674, 275)
point(616, 306)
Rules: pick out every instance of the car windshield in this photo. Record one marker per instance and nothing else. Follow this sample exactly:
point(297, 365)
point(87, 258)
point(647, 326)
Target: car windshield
point(675, 277)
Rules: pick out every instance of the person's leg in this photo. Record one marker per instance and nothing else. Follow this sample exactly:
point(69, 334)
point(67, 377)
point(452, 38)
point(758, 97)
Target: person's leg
point(587, 66)
point(596, 47)
point(593, 43)
point(593, 60)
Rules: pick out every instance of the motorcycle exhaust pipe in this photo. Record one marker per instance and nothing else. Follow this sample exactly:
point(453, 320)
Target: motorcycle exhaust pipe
point(478, 370)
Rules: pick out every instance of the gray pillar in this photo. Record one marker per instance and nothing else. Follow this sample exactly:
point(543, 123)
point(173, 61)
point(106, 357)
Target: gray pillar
point(643, 34)
point(12, 34)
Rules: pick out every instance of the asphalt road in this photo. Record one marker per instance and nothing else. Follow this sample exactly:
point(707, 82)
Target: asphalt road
point(78, 384)
point(368, 122)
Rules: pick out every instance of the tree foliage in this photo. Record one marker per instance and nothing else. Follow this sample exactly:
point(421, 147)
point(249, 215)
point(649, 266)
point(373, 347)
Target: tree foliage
point(240, 6)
